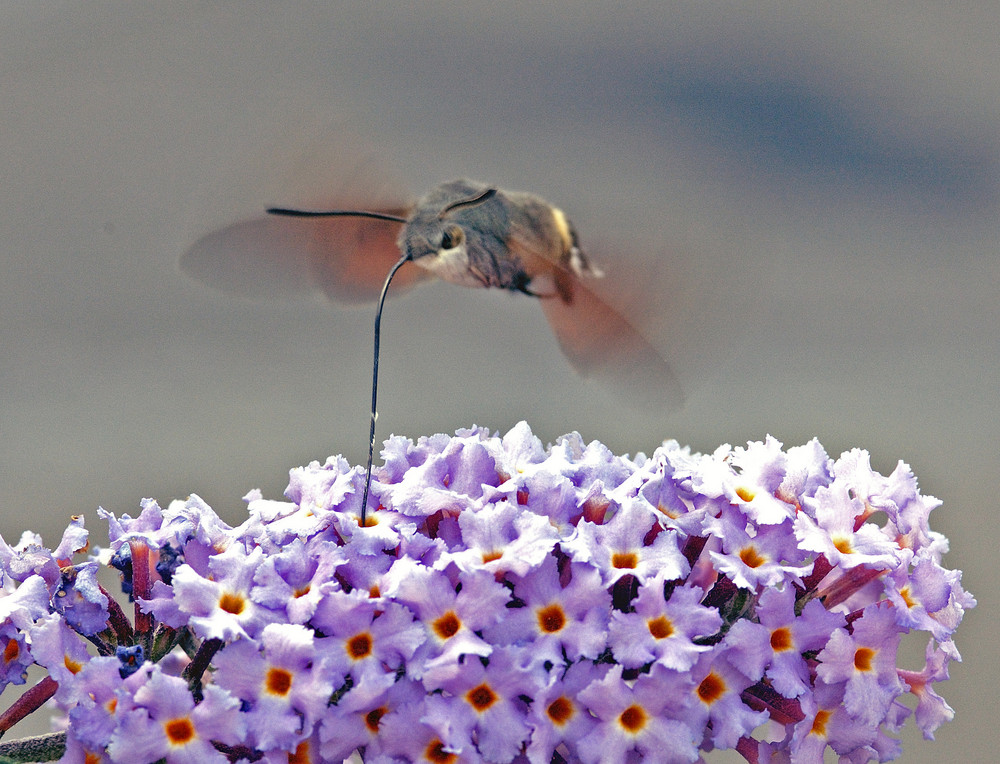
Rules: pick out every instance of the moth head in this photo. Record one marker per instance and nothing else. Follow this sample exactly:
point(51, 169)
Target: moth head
point(435, 238)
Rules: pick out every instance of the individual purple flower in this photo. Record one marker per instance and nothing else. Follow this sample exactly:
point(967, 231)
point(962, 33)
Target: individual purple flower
point(831, 528)
point(451, 479)
point(790, 635)
point(897, 496)
point(545, 493)
point(661, 630)
point(166, 724)
point(356, 720)
point(590, 463)
point(281, 681)
point(557, 718)
point(95, 699)
point(665, 483)
point(762, 468)
point(920, 593)
point(482, 706)
point(646, 716)
point(77, 752)
point(80, 600)
point(399, 454)
point(716, 698)
point(20, 609)
point(451, 618)
point(866, 660)
point(130, 658)
point(405, 737)
point(363, 637)
point(766, 557)
point(807, 467)
point(74, 540)
point(292, 579)
point(219, 607)
point(518, 451)
point(501, 538)
point(365, 572)
point(58, 648)
point(932, 710)
point(28, 558)
point(828, 723)
point(618, 547)
point(561, 621)
point(556, 482)
point(122, 529)
point(316, 490)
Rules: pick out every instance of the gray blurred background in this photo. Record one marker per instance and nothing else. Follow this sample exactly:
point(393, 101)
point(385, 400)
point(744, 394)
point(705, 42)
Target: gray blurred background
point(827, 172)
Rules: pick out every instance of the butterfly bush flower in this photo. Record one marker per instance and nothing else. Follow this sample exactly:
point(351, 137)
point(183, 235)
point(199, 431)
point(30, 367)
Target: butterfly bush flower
point(503, 602)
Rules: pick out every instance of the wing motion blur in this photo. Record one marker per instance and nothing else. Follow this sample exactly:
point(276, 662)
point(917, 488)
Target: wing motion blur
point(522, 247)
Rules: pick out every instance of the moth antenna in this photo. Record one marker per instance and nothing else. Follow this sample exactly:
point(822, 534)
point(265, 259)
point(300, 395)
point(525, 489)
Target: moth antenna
point(292, 213)
point(371, 438)
point(489, 193)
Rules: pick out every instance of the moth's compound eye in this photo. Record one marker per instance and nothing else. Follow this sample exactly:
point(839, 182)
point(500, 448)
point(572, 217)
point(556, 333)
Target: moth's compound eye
point(451, 237)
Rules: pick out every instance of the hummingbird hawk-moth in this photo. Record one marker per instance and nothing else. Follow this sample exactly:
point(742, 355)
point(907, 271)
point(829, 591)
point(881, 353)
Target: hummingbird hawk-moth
point(463, 232)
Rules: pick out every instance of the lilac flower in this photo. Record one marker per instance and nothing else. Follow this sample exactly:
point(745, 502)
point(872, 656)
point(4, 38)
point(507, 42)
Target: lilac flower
point(662, 630)
point(762, 468)
point(79, 599)
point(828, 723)
point(19, 610)
point(559, 620)
point(932, 710)
point(361, 719)
point(922, 593)
point(292, 578)
point(557, 718)
point(59, 649)
point(753, 557)
point(281, 681)
point(95, 701)
point(830, 527)
point(165, 723)
point(215, 607)
point(481, 706)
point(405, 737)
point(618, 548)
point(791, 636)
point(365, 639)
point(643, 716)
point(866, 660)
point(28, 558)
point(501, 538)
point(504, 601)
point(451, 618)
point(717, 698)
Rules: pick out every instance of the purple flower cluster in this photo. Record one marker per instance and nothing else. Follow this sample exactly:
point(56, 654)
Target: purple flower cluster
point(504, 602)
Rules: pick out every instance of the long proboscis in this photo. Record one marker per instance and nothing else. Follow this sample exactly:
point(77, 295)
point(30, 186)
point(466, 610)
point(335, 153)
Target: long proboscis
point(371, 435)
point(294, 213)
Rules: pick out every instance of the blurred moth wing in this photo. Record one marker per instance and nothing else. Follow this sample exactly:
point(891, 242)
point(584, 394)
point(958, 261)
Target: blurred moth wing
point(349, 257)
point(272, 257)
point(598, 339)
point(601, 343)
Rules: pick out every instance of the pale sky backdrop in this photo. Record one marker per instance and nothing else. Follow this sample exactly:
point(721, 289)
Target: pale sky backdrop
point(815, 186)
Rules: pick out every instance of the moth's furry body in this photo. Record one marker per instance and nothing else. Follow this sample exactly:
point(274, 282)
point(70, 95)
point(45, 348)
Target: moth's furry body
point(512, 240)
